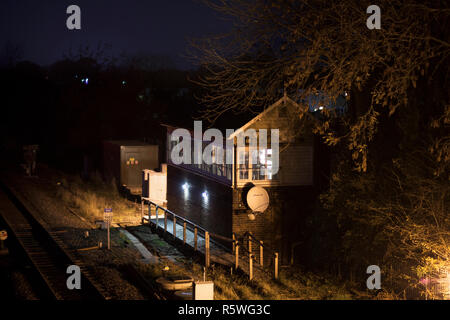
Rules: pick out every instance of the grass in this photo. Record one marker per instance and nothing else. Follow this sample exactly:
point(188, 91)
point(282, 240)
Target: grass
point(292, 283)
point(89, 198)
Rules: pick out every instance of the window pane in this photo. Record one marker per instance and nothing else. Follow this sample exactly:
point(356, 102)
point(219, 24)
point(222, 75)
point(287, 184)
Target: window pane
point(243, 167)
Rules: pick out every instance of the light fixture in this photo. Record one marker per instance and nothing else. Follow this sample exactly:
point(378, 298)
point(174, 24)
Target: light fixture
point(185, 187)
point(205, 195)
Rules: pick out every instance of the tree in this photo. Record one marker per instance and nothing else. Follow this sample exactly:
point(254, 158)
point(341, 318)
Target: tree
point(312, 46)
point(393, 209)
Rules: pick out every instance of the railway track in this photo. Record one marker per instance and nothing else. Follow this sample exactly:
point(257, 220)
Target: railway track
point(45, 251)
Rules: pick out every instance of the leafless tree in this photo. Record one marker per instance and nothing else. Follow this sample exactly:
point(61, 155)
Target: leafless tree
point(312, 46)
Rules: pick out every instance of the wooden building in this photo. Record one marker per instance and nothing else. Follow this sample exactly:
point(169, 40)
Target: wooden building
point(214, 196)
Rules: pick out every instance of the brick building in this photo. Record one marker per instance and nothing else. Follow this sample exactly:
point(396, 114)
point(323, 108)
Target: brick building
point(214, 196)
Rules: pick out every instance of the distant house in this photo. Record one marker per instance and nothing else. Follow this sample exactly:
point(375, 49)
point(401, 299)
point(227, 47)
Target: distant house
point(215, 196)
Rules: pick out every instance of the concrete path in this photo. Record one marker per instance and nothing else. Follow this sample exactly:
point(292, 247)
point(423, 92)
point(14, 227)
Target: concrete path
point(147, 256)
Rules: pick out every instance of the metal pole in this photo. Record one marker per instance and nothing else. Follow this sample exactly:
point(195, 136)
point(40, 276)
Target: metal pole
point(276, 265)
point(149, 213)
point(236, 261)
point(261, 253)
point(184, 232)
point(156, 212)
point(174, 220)
point(142, 209)
point(195, 238)
point(165, 221)
point(207, 249)
point(251, 266)
point(109, 242)
point(249, 242)
point(234, 241)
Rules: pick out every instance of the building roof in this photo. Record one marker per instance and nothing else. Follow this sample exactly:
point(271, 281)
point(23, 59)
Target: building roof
point(284, 100)
point(242, 122)
point(128, 143)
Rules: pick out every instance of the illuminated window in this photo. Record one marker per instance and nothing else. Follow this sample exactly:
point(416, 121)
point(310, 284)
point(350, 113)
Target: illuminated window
point(243, 165)
point(257, 167)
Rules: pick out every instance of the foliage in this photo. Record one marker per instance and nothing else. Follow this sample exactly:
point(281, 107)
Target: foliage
point(396, 216)
point(316, 46)
point(393, 209)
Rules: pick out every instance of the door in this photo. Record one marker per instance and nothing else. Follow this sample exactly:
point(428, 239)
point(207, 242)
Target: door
point(133, 168)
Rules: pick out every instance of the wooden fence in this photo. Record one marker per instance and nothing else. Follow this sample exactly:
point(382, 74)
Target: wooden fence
point(167, 215)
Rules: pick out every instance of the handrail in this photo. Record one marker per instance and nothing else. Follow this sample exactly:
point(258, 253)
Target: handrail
point(246, 250)
point(174, 214)
point(235, 242)
point(190, 223)
point(218, 236)
point(255, 240)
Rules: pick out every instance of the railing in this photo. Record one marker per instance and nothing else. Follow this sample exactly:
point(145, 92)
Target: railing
point(251, 239)
point(176, 219)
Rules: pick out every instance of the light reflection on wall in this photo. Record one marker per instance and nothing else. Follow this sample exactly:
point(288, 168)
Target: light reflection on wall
point(186, 187)
point(205, 197)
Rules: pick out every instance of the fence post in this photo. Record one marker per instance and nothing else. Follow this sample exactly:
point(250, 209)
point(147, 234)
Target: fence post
point(207, 249)
point(261, 253)
point(149, 213)
point(236, 261)
point(195, 238)
point(250, 264)
point(174, 220)
point(234, 241)
point(276, 265)
point(184, 232)
point(156, 213)
point(165, 221)
point(142, 209)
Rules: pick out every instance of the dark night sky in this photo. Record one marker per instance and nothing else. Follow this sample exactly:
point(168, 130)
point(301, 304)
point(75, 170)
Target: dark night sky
point(131, 26)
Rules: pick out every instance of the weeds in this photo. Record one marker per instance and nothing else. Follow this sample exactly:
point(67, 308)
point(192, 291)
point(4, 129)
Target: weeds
point(89, 198)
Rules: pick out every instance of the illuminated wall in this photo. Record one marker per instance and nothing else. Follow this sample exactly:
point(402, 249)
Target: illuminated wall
point(203, 201)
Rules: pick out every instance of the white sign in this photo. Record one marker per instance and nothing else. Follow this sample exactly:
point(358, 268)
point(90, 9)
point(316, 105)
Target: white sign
point(107, 215)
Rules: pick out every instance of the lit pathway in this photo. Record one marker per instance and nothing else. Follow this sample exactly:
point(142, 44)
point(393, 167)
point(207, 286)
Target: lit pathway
point(218, 254)
point(148, 257)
